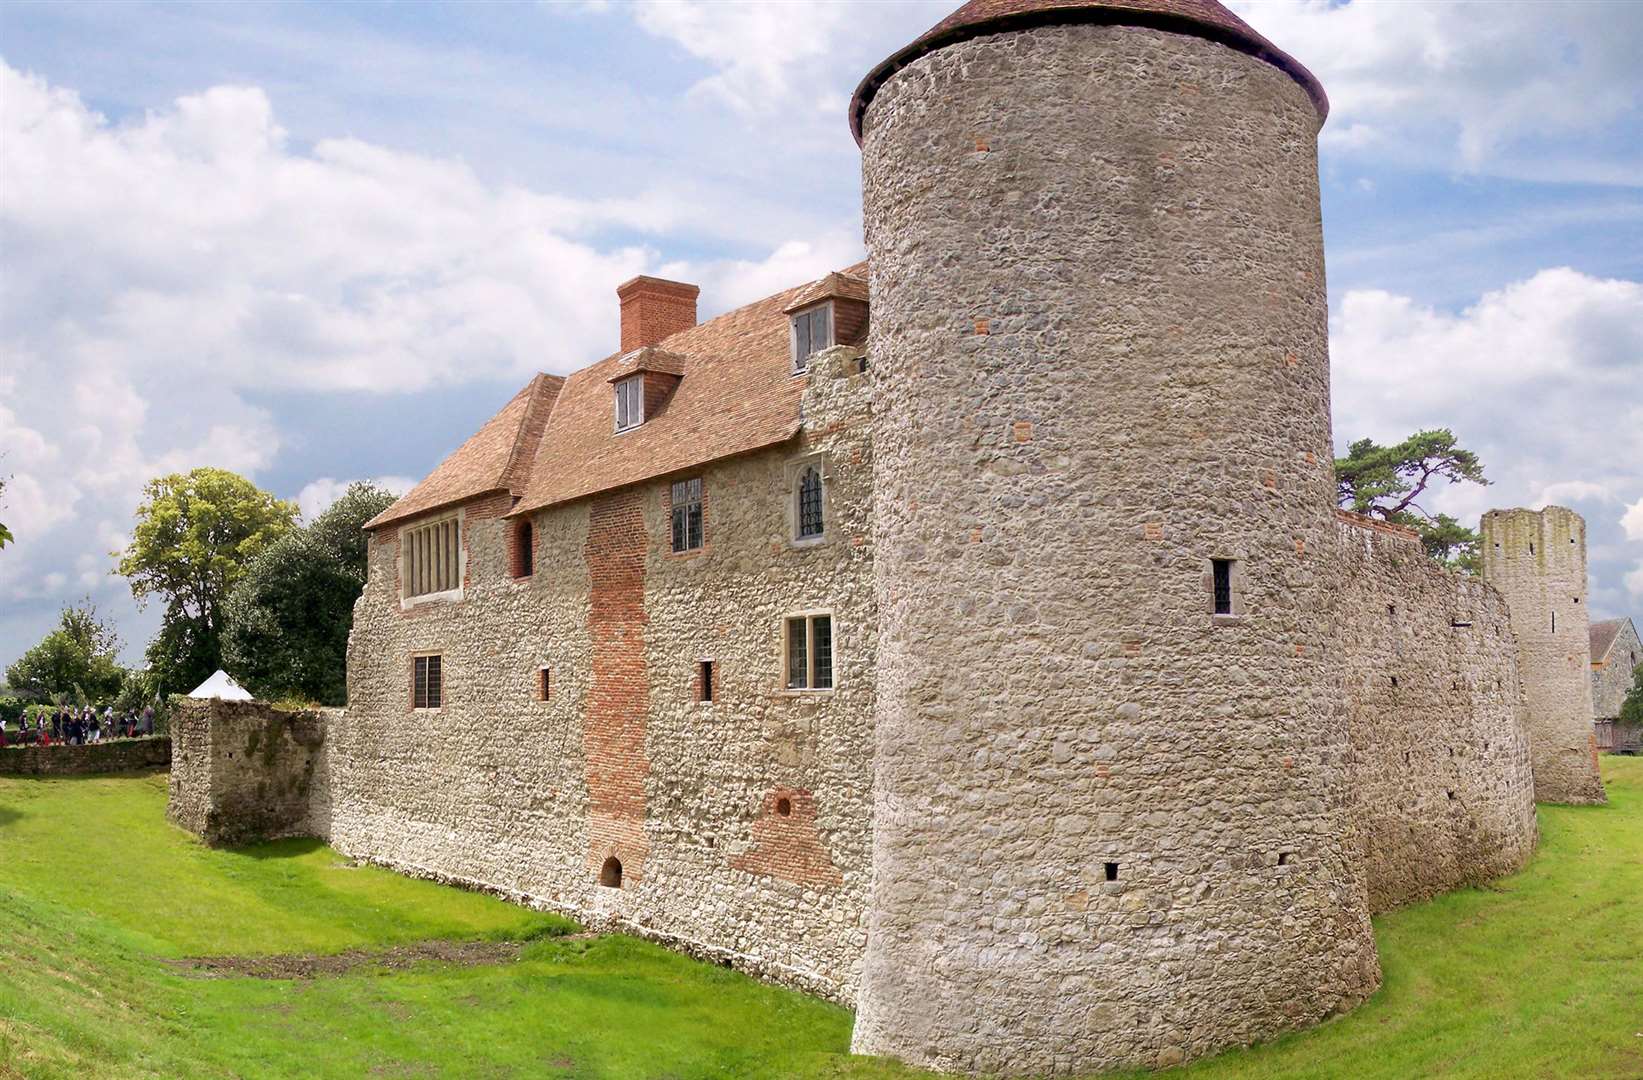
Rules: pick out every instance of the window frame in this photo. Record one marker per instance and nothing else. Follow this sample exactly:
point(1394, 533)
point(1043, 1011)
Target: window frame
point(795, 499)
point(801, 361)
point(635, 384)
point(675, 507)
point(432, 688)
point(1236, 608)
point(415, 559)
point(809, 620)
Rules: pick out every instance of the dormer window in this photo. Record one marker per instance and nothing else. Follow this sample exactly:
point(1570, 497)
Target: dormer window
point(812, 332)
point(630, 402)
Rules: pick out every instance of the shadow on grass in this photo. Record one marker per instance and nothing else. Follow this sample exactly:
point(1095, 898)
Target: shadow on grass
point(289, 848)
point(8, 815)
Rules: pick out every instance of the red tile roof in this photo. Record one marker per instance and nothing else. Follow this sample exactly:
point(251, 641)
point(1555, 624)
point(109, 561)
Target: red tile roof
point(1603, 637)
point(736, 394)
point(498, 458)
point(1200, 18)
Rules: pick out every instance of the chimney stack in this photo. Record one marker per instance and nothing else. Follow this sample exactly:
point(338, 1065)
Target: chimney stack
point(654, 308)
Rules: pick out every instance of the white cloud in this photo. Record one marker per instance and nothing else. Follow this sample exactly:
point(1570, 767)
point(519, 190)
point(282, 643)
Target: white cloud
point(165, 275)
point(1631, 522)
point(1497, 90)
point(317, 495)
point(1540, 378)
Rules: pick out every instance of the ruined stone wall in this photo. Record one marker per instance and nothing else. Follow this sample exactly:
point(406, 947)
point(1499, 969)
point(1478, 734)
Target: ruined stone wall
point(243, 771)
point(1111, 827)
point(742, 824)
point(1537, 559)
point(61, 759)
point(1441, 775)
point(1613, 680)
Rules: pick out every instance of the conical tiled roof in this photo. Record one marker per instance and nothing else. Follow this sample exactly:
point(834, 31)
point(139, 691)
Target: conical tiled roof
point(1199, 18)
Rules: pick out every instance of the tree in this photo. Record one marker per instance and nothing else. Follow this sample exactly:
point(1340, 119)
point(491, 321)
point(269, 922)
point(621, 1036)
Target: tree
point(196, 533)
point(1631, 710)
point(76, 659)
point(286, 623)
point(1388, 481)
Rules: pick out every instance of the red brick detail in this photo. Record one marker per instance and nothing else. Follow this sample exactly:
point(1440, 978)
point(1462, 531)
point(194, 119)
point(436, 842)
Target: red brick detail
point(613, 739)
point(653, 309)
point(521, 541)
point(1363, 521)
point(788, 846)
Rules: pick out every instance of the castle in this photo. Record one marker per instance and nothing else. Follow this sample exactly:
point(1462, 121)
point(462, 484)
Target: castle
point(968, 636)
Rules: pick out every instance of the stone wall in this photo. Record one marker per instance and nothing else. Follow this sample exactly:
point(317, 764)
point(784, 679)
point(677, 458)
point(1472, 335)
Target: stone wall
point(1537, 559)
point(1612, 681)
point(1441, 779)
point(60, 759)
point(243, 771)
point(1111, 827)
point(742, 824)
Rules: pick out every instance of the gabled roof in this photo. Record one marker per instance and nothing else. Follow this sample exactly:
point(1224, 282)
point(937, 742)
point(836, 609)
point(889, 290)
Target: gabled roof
point(1199, 18)
point(498, 458)
point(1604, 635)
point(736, 394)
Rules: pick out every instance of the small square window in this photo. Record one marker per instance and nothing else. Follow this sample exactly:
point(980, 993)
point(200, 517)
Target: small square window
point(686, 505)
point(812, 332)
point(809, 652)
point(427, 682)
point(630, 402)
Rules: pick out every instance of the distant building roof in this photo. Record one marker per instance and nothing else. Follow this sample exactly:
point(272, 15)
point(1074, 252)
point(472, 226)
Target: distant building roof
point(1604, 635)
point(498, 458)
point(1199, 18)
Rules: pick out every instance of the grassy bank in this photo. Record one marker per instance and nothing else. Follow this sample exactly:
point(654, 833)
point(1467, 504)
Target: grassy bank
point(1538, 975)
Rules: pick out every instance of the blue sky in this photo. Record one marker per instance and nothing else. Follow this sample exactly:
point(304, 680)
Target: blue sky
point(319, 242)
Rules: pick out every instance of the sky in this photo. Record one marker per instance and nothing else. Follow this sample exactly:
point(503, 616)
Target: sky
point(322, 242)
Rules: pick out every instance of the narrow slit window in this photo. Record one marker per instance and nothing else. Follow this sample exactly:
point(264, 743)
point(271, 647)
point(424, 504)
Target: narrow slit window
point(810, 652)
point(811, 523)
point(1554, 622)
point(705, 677)
point(545, 683)
point(686, 504)
point(525, 555)
point(1222, 571)
point(427, 689)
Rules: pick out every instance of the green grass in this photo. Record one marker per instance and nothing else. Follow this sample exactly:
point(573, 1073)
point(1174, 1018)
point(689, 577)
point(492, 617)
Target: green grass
point(1539, 975)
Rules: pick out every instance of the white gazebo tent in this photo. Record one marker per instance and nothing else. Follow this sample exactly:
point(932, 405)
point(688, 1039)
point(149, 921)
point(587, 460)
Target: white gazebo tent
point(221, 686)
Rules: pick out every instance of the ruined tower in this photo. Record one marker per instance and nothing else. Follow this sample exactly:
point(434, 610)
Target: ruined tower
point(1110, 817)
point(1537, 559)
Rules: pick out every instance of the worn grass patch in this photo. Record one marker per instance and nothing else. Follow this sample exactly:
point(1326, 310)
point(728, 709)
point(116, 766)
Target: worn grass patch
point(102, 902)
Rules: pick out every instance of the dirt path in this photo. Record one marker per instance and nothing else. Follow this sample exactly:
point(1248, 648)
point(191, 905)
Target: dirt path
point(303, 966)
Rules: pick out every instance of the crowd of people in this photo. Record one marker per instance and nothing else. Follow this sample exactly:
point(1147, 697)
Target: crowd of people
point(73, 726)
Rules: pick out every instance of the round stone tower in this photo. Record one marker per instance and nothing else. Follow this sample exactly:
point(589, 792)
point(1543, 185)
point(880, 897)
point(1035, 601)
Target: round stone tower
point(1111, 818)
point(1537, 559)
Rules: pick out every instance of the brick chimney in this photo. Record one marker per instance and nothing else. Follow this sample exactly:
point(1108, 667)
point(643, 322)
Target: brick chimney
point(653, 308)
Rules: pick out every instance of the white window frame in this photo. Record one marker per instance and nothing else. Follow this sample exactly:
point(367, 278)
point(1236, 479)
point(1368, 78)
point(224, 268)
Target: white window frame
point(633, 409)
point(442, 577)
point(795, 480)
point(810, 686)
point(801, 364)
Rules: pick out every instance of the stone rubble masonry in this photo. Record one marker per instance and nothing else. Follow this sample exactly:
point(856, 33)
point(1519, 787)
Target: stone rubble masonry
point(242, 771)
point(61, 759)
point(499, 789)
point(1442, 783)
point(1537, 559)
point(1110, 827)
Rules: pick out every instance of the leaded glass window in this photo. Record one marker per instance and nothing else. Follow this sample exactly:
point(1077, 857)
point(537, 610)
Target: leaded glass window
point(427, 683)
point(810, 652)
point(810, 502)
point(687, 514)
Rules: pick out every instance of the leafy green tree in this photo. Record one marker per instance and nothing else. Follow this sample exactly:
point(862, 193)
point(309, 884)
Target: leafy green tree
point(287, 621)
point(5, 533)
point(1388, 482)
point(76, 659)
point(1631, 710)
point(195, 535)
